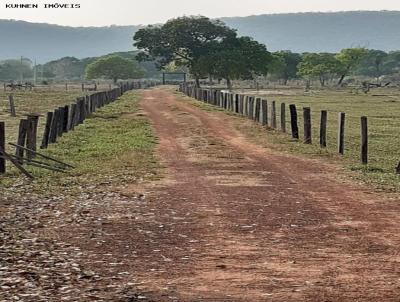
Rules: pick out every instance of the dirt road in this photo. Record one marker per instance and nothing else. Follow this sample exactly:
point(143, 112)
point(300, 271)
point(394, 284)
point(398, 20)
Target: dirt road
point(232, 221)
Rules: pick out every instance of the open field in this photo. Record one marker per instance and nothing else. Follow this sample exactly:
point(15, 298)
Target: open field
point(225, 219)
point(106, 133)
point(38, 101)
point(381, 106)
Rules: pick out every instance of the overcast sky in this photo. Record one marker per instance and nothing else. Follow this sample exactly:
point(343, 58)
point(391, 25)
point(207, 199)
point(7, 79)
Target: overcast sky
point(133, 12)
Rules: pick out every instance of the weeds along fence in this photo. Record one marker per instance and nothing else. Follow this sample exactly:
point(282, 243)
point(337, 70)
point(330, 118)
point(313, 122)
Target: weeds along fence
point(57, 123)
point(265, 112)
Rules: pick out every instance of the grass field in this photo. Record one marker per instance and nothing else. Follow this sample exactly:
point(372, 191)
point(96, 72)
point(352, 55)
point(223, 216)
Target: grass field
point(39, 101)
point(114, 145)
point(381, 106)
point(110, 133)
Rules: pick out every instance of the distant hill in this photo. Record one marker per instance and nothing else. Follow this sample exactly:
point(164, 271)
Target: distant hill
point(300, 32)
point(47, 42)
point(317, 32)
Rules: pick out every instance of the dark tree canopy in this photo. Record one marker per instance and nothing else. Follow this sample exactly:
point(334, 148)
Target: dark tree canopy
point(285, 65)
point(15, 69)
point(319, 65)
point(113, 67)
point(182, 40)
point(237, 58)
point(207, 47)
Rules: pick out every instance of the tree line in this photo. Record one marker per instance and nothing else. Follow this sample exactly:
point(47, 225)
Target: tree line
point(209, 49)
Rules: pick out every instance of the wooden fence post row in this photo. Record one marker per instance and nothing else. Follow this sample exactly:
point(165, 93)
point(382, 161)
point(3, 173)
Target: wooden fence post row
point(62, 120)
point(66, 118)
point(258, 110)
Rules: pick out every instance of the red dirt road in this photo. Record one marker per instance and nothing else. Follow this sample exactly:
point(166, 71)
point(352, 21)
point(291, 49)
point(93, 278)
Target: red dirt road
point(232, 221)
point(242, 224)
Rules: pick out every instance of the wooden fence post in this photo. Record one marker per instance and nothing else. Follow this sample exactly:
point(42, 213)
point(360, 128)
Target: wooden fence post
point(71, 117)
point(283, 117)
point(237, 103)
point(65, 119)
point(245, 105)
point(342, 117)
point(23, 128)
point(12, 105)
point(31, 137)
point(364, 140)
point(60, 121)
point(307, 125)
point(251, 107)
point(257, 106)
point(2, 147)
point(264, 112)
point(273, 115)
point(322, 131)
point(293, 121)
point(46, 134)
point(54, 127)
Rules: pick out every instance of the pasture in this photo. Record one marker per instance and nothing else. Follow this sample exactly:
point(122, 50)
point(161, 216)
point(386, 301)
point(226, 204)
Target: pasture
point(39, 100)
point(110, 135)
point(381, 106)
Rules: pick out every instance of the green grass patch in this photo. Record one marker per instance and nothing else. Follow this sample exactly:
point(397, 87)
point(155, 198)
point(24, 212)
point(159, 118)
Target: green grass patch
point(382, 107)
point(114, 146)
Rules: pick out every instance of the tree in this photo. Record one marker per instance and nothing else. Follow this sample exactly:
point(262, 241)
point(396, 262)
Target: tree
point(318, 65)
point(236, 58)
point(349, 58)
point(15, 69)
point(286, 63)
point(184, 40)
point(113, 67)
point(376, 63)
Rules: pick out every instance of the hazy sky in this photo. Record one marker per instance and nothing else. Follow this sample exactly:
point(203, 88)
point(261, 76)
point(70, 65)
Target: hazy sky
point(132, 12)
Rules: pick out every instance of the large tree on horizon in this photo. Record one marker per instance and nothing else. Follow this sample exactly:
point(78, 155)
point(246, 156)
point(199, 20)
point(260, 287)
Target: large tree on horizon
point(184, 40)
point(349, 59)
point(113, 67)
point(236, 58)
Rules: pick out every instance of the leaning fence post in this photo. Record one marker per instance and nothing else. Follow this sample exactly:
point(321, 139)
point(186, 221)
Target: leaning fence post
point(293, 121)
point(31, 137)
point(342, 117)
point(307, 125)
point(12, 105)
point(364, 140)
point(283, 117)
point(2, 147)
point(23, 128)
point(322, 131)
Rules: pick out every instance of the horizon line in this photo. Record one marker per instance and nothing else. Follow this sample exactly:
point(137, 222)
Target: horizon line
point(217, 18)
